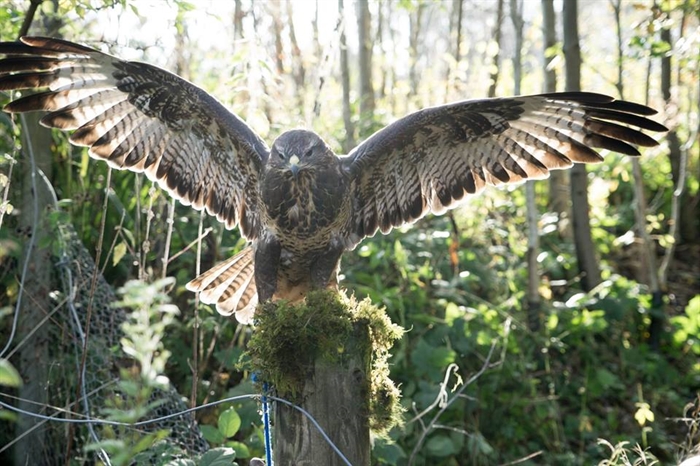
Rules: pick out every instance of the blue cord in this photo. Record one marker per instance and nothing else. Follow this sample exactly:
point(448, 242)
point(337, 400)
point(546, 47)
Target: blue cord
point(266, 426)
point(266, 420)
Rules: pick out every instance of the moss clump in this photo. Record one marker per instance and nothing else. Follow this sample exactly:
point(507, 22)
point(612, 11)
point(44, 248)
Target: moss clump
point(289, 338)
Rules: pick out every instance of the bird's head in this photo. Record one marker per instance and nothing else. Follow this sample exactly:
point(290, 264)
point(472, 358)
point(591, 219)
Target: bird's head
point(298, 150)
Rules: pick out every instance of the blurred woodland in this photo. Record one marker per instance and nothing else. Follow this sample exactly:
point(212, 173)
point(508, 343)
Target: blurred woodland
point(587, 305)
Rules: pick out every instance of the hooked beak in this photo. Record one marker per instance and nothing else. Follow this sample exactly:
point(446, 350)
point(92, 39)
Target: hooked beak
point(294, 165)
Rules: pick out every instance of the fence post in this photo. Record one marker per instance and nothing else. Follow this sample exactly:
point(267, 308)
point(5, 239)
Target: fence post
point(337, 396)
point(329, 357)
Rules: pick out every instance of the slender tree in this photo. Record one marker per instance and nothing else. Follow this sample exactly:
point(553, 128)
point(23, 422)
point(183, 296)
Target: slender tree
point(379, 41)
point(365, 55)
point(688, 221)
point(456, 27)
point(415, 31)
point(559, 198)
point(585, 249)
point(37, 284)
point(274, 10)
point(349, 141)
point(533, 293)
point(495, 67)
point(298, 69)
point(238, 15)
point(649, 267)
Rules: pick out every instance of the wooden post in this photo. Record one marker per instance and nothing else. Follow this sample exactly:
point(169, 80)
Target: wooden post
point(337, 396)
point(327, 356)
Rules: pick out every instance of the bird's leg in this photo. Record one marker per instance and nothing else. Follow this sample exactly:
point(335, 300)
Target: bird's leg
point(325, 269)
point(267, 260)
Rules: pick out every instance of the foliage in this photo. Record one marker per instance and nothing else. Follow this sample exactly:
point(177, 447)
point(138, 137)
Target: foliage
point(142, 341)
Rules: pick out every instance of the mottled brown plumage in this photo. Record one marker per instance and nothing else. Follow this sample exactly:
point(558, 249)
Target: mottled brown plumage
point(299, 204)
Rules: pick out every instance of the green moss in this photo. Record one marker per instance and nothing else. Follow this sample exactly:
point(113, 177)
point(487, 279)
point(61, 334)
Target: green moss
point(290, 338)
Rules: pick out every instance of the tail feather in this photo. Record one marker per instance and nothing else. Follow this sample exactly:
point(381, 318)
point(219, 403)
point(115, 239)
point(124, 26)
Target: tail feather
point(230, 285)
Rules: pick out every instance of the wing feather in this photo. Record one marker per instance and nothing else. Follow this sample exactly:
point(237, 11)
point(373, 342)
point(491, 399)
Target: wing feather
point(431, 159)
point(142, 118)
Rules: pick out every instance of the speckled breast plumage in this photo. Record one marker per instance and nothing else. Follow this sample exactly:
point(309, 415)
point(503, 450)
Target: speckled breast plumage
point(306, 213)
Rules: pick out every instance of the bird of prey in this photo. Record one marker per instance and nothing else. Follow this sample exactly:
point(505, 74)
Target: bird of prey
point(298, 203)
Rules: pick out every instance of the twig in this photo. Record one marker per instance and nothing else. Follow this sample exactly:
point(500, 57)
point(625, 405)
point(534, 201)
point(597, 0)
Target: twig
point(523, 459)
point(442, 395)
point(487, 364)
point(168, 236)
point(200, 236)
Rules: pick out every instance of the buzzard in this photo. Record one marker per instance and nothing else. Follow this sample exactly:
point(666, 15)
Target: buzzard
point(298, 203)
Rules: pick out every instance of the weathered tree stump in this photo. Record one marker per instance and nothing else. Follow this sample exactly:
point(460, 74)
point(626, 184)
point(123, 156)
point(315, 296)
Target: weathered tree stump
point(327, 356)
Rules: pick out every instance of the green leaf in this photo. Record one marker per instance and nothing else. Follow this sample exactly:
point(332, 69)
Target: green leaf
point(147, 441)
point(119, 253)
point(6, 415)
point(430, 359)
point(181, 462)
point(387, 453)
point(218, 457)
point(229, 423)
point(212, 434)
point(9, 376)
point(242, 451)
point(440, 446)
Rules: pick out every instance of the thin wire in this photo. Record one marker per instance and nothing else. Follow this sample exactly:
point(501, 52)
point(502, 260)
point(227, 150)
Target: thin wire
point(173, 415)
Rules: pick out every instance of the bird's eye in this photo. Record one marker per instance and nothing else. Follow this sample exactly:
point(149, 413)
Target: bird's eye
point(280, 155)
point(308, 153)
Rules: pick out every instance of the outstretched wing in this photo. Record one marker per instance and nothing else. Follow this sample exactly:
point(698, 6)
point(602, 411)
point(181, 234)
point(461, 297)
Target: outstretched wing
point(431, 159)
point(142, 118)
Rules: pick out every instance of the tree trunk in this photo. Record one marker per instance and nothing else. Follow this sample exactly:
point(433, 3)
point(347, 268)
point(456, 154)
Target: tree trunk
point(274, 9)
point(238, 15)
point(366, 89)
point(34, 361)
point(415, 23)
point(585, 249)
point(349, 141)
point(559, 189)
point(314, 26)
point(649, 268)
point(379, 40)
point(495, 71)
point(336, 395)
point(688, 223)
point(533, 239)
point(458, 8)
point(298, 70)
